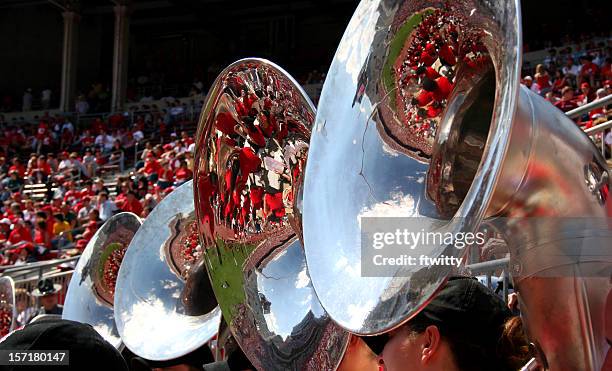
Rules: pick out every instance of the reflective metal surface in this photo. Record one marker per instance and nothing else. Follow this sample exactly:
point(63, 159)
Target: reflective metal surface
point(422, 116)
point(402, 126)
point(553, 208)
point(164, 306)
point(93, 283)
point(8, 311)
point(250, 152)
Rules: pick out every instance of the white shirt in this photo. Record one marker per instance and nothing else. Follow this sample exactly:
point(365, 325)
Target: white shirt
point(64, 164)
point(68, 125)
point(106, 209)
point(105, 140)
point(46, 94)
point(138, 135)
point(84, 212)
point(573, 70)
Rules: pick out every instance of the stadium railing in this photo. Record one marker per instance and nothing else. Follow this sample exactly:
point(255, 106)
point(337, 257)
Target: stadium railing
point(34, 271)
point(489, 269)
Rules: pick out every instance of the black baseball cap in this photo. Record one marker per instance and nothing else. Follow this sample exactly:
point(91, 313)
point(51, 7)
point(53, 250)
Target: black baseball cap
point(463, 306)
point(87, 349)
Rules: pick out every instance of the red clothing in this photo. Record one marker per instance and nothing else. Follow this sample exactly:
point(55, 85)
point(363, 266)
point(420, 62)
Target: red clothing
point(43, 128)
point(257, 197)
point(167, 175)
point(444, 88)
point(566, 106)
point(559, 84)
point(427, 59)
point(447, 55)
point(70, 194)
point(115, 120)
point(20, 234)
point(41, 239)
point(257, 137)
point(275, 203)
point(589, 68)
point(88, 141)
point(183, 174)
point(44, 168)
point(225, 123)
point(97, 127)
point(424, 98)
point(120, 200)
point(586, 98)
point(20, 170)
point(543, 81)
point(249, 162)
point(152, 167)
point(133, 207)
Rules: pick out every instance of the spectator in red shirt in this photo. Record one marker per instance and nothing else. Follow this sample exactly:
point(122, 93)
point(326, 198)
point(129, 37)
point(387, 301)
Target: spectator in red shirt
point(542, 80)
point(18, 166)
point(186, 139)
point(166, 175)
point(183, 174)
point(567, 102)
point(41, 171)
point(42, 236)
point(152, 168)
point(20, 233)
point(87, 140)
point(561, 81)
point(132, 205)
point(90, 230)
point(587, 96)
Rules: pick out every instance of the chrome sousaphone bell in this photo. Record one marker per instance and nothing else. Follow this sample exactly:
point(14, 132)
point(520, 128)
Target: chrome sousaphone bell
point(422, 116)
point(251, 150)
point(92, 287)
point(164, 305)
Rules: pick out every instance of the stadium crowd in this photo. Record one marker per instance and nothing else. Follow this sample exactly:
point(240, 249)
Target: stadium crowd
point(59, 183)
point(569, 80)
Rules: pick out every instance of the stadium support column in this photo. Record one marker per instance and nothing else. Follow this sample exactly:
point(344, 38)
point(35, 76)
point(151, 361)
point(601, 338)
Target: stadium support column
point(120, 56)
point(69, 60)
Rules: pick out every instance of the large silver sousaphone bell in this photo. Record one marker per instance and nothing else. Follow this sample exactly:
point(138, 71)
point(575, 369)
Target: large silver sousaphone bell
point(251, 149)
point(422, 116)
point(164, 305)
point(93, 284)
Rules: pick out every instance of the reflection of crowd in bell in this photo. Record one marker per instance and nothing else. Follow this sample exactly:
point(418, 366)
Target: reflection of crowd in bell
point(427, 68)
point(6, 314)
point(259, 145)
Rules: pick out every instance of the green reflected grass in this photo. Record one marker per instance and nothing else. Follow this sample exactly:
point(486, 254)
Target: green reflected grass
point(225, 266)
point(395, 49)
